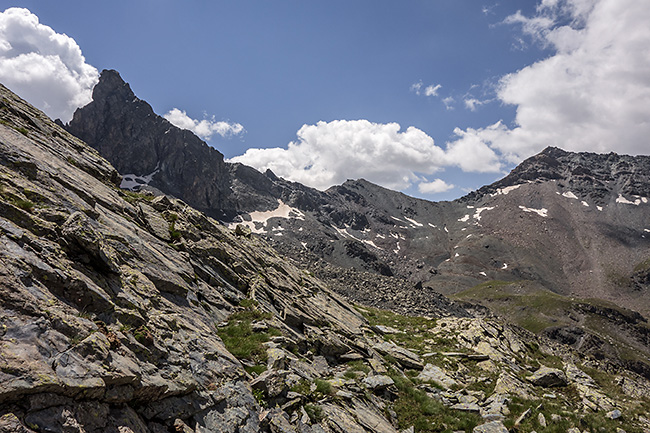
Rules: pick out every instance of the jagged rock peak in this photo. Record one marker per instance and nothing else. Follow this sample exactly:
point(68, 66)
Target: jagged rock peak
point(147, 149)
point(111, 83)
point(595, 175)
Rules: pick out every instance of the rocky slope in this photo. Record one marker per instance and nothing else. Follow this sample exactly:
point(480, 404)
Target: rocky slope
point(128, 312)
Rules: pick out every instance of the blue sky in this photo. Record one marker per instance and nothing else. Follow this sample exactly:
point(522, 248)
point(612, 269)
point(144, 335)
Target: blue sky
point(481, 84)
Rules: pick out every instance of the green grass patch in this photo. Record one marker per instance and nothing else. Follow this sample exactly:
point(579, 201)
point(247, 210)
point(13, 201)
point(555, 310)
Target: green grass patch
point(323, 387)
point(358, 365)
point(238, 335)
point(25, 205)
point(256, 369)
point(134, 197)
point(415, 408)
point(415, 329)
point(314, 412)
point(569, 417)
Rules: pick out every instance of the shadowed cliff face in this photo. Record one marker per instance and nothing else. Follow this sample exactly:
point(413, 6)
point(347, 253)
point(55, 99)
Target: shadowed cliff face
point(128, 133)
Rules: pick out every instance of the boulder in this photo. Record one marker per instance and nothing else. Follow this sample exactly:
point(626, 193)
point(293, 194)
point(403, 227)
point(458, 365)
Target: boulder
point(491, 427)
point(435, 374)
point(377, 382)
point(405, 357)
point(548, 377)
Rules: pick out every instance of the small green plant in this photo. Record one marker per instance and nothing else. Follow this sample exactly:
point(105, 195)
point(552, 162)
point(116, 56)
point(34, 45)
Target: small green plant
point(358, 366)
point(23, 131)
point(256, 369)
point(143, 335)
point(259, 396)
point(173, 233)
point(323, 387)
point(303, 387)
point(134, 197)
point(85, 314)
point(238, 335)
point(314, 412)
point(25, 205)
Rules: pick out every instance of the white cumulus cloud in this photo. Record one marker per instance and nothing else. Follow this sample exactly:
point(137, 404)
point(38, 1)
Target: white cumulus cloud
point(434, 187)
point(591, 94)
point(205, 128)
point(329, 153)
point(44, 67)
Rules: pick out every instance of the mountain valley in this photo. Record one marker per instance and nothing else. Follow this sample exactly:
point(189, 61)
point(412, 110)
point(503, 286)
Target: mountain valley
point(209, 297)
point(561, 224)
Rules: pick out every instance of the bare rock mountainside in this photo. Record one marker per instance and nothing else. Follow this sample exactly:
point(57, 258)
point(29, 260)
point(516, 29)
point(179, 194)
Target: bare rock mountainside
point(560, 246)
point(129, 312)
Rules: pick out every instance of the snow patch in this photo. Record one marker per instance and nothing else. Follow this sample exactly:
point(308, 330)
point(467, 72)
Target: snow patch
point(505, 266)
point(464, 219)
point(413, 222)
point(506, 190)
point(623, 200)
point(262, 217)
point(543, 212)
point(457, 255)
point(483, 273)
point(646, 230)
point(371, 243)
point(380, 236)
point(479, 211)
point(600, 208)
point(133, 182)
point(433, 226)
point(584, 203)
point(570, 195)
point(346, 234)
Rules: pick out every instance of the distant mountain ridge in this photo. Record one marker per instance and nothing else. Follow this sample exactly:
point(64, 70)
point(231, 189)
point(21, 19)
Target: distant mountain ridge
point(591, 175)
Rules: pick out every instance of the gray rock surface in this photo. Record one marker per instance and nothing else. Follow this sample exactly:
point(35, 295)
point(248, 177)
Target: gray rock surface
point(491, 427)
point(548, 377)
